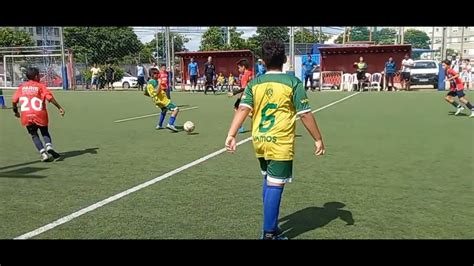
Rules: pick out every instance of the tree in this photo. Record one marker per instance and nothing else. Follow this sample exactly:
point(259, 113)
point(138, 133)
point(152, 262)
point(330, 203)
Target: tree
point(355, 34)
point(385, 36)
point(451, 52)
point(255, 42)
point(102, 44)
point(213, 39)
point(417, 39)
point(147, 53)
point(304, 35)
point(10, 38)
point(271, 33)
point(359, 34)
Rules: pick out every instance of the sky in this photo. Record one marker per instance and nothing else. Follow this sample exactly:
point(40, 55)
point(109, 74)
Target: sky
point(146, 34)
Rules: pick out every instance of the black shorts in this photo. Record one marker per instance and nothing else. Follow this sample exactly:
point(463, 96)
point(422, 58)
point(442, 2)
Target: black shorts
point(33, 129)
point(406, 76)
point(141, 81)
point(110, 80)
point(237, 103)
point(456, 93)
point(360, 75)
point(193, 80)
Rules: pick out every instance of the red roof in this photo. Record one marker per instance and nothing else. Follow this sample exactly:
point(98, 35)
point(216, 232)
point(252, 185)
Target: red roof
point(363, 48)
point(215, 53)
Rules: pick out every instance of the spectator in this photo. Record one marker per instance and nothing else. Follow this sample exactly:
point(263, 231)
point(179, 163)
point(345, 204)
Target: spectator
point(210, 73)
point(466, 73)
point(407, 64)
point(109, 76)
point(261, 70)
point(230, 82)
point(95, 76)
point(220, 81)
point(193, 72)
point(140, 76)
point(309, 66)
point(361, 68)
point(390, 69)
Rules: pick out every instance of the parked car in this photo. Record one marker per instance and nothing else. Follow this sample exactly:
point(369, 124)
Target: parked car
point(128, 81)
point(425, 72)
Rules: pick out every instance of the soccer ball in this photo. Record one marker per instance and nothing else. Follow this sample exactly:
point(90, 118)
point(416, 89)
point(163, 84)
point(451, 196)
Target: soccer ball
point(188, 126)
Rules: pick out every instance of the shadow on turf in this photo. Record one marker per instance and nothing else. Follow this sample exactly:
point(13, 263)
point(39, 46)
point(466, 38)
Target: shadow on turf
point(460, 114)
point(70, 154)
point(24, 172)
point(64, 155)
point(312, 218)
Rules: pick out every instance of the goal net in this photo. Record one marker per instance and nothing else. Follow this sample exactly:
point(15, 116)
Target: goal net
point(15, 66)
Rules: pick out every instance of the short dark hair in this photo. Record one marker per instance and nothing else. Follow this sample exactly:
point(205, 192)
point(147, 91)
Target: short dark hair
point(162, 65)
point(31, 73)
point(447, 62)
point(273, 52)
point(244, 63)
point(153, 71)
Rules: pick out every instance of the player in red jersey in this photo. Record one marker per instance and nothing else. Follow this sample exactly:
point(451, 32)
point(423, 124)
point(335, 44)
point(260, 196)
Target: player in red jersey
point(32, 96)
point(243, 66)
point(456, 89)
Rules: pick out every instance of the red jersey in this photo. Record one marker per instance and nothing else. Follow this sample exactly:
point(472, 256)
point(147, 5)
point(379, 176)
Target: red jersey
point(163, 76)
point(32, 97)
point(455, 84)
point(246, 77)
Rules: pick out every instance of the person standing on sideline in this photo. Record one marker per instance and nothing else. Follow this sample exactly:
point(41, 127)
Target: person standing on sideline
point(407, 64)
point(261, 70)
point(390, 69)
point(209, 72)
point(140, 76)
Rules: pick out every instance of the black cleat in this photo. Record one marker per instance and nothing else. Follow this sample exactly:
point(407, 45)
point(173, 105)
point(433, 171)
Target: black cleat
point(54, 154)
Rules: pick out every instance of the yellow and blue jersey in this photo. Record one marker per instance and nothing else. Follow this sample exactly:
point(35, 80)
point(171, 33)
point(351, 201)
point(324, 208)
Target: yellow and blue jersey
point(275, 98)
point(160, 99)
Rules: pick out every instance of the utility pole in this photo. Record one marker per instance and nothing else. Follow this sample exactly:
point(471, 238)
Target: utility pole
point(167, 45)
point(461, 53)
point(402, 35)
point(320, 34)
point(443, 45)
point(292, 49)
point(344, 35)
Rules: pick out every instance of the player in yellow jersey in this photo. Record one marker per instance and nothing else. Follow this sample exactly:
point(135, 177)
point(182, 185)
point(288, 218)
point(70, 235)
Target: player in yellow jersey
point(157, 92)
point(275, 100)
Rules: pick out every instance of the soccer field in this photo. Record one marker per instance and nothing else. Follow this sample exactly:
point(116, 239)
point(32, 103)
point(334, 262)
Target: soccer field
point(399, 165)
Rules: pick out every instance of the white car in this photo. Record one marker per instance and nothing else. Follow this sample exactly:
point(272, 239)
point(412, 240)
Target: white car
point(127, 81)
point(425, 72)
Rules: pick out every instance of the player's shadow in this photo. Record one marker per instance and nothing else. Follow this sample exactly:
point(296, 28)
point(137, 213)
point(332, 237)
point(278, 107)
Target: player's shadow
point(64, 155)
point(460, 114)
point(311, 218)
point(70, 154)
point(24, 172)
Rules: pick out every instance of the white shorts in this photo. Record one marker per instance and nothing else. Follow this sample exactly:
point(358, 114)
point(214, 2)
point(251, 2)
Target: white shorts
point(466, 77)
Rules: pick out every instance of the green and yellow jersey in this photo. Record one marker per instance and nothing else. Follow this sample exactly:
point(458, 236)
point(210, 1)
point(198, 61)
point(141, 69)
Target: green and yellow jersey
point(275, 98)
point(160, 99)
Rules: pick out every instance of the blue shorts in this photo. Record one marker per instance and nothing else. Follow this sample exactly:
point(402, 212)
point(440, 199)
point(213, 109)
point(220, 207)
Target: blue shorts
point(457, 93)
